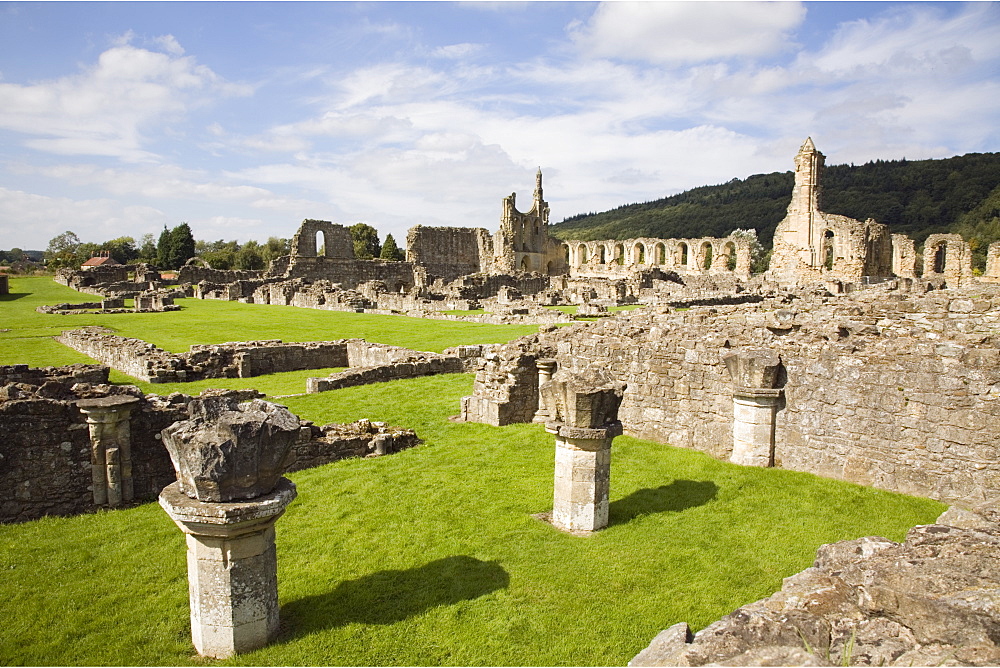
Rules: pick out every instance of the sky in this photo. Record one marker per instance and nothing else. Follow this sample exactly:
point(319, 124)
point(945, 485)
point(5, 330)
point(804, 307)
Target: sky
point(243, 119)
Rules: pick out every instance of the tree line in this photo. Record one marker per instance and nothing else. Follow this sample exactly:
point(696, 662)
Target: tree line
point(175, 246)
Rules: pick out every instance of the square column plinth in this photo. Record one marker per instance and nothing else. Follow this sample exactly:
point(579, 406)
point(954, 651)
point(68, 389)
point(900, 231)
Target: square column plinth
point(753, 426)
point(582, 478)
point(232, 567)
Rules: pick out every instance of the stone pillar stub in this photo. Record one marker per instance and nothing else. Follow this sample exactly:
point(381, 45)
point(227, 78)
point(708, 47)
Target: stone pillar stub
point(229, 458)
point(232, 567)
point(110, 447)
point(584, 411)
point(756, 398)
point(546, 367)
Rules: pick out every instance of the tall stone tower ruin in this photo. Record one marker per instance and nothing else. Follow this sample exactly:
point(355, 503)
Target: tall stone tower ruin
point(810, 244)
point(522, 244)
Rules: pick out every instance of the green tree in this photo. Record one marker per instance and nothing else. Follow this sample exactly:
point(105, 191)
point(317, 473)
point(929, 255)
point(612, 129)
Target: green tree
point(122, 249)
point(147, 249)
point(180, 246)
point(366, 244)
point(163, 249)
point(249, 256)
point(390, 251)
point(61, 251)
point(275, 248)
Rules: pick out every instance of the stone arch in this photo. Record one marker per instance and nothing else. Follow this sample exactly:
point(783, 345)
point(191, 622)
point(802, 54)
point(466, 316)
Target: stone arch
point(728, 256)
point(337, 242)
point(581, 254)
point(550, 268)
point(682, 255)
point(940, 257)
point(602, 254)
point(659, 254)
point(566, 254)
point(618, 254)
point(638, 253)
point(705, 255)
point(197, 261)
point(525, 264)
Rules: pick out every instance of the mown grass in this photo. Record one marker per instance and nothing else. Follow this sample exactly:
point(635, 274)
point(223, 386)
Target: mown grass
point(432, 556)
point(210, 321)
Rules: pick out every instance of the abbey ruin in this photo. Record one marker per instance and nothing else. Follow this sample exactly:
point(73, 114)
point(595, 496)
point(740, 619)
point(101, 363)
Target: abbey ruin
point(851, 357)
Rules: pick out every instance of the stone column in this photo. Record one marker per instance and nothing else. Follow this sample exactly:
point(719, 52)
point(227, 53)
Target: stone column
point(110, 447)
point(229, 459)
point(755, 374)
point(545, 369)
point(232, 568)
point(584, 418)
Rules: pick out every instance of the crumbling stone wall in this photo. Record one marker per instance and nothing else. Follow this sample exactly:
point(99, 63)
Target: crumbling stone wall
point(45, 445)
point(992, 273)
point(333, 442)
point(190, 273)
point(229, 360)
point(450, 252)
point(4, 285)
point(377, 363)
point(506, 387)
point(900, 392)
point(947, 257)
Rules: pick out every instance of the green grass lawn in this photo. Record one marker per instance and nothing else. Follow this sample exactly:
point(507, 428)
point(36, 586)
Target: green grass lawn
point(432, 556)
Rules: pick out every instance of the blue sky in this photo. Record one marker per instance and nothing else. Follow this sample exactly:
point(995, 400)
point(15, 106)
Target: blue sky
point(244, 118)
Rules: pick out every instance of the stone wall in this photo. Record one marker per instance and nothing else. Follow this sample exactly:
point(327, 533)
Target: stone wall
point(377, 363)
point(895, 391)
point(333, 442)
point(45, 444)
point(4, 285)
point(45, 448)
point(228, 360)
point(449, 252)
point(619, 258)
point(992, 273)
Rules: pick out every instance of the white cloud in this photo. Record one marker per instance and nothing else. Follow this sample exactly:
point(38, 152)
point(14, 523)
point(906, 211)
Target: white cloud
point(104, 109)
point(31, 219)
point(685, 32)
point(457, 51)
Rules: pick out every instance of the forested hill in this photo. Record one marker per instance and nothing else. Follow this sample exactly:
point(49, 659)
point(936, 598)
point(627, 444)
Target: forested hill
point(916, 198)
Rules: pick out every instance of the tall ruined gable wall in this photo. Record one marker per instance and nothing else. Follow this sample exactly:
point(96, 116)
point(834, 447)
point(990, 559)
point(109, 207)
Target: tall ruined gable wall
point(907, 401)
point(448, 252)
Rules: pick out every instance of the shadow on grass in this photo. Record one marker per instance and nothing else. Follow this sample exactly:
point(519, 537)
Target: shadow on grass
point(675, 497)
point(388, 597)
point(9, 297)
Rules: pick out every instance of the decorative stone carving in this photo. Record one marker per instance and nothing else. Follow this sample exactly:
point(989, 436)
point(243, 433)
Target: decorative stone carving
point(230, 451)
point(110, 447)
point(229, 459)
point(755, 374)
point(584, 411)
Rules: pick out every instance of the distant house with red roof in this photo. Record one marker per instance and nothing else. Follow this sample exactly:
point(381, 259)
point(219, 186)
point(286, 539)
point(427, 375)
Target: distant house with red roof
point(103, 260)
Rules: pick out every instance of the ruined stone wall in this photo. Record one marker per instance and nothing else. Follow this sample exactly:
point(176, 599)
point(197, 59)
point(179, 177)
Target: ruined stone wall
point(377, 363)
point(349, 273)
point(992, 273)
point(192, 274)
point(333, 442)
point(449, 252)
point(45, 448)
point(506, 387)
point(893, 391)
point(73, 373)
point(229, 360)
point(949, 258)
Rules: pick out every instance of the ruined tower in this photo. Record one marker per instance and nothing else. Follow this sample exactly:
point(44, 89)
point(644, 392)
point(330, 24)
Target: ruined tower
point(522, 244)
point(810, 244)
